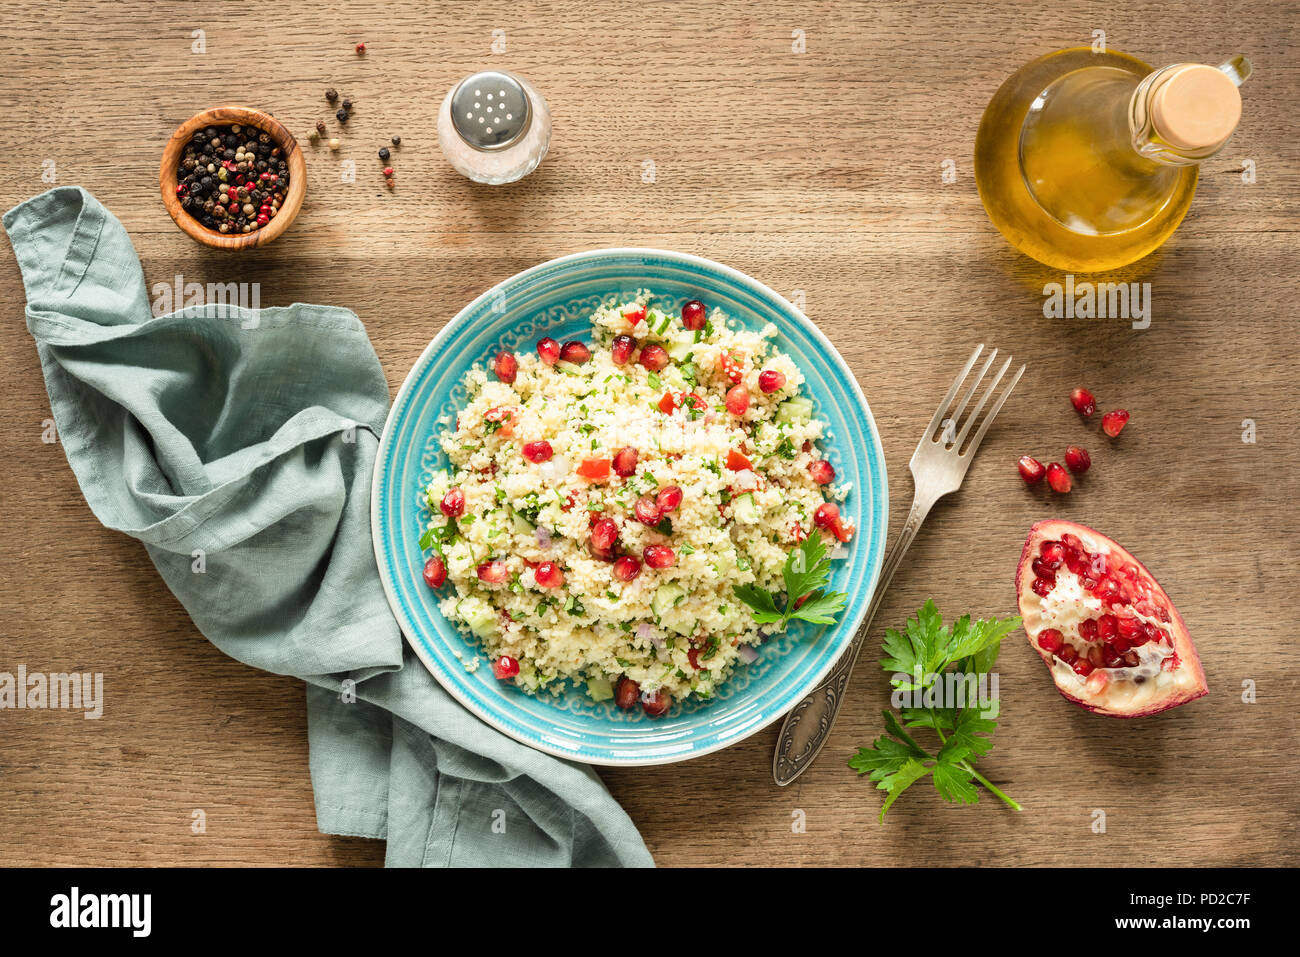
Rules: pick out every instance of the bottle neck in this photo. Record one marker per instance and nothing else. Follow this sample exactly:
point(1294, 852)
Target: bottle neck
point(1176, 118)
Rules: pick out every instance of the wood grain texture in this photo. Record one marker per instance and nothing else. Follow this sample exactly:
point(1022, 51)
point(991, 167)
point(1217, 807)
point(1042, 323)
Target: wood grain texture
point(818, 172)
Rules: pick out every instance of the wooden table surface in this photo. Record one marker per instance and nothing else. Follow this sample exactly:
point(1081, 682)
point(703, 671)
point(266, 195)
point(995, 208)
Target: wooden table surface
point(818, 171)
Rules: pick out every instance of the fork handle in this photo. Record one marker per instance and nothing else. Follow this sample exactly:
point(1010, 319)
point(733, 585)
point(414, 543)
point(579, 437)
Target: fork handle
point(808, 724)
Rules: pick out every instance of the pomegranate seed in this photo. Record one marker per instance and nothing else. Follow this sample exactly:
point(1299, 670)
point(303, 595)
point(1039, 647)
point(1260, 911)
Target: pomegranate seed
point(654, 357)
point(693, 315)
point(1077, 460)
point(1058, 478)
point(737, 400)
point(1067, 653)
point(575, 352)
point(1111, 658)
point(1050, 640)
point(435, 572)
point(505, 668)
point(1121, 644)
point(538, 451)
point(1031, 470)
point(656, 703)
point(668, 499)
point(1112, 423)
point(1042, 570)
point(621, 350)
point(604, 533)
point(453, 503)
point(1130, 628)
point(1083, 402)
point(506, 366)
point(771, 380)
point(1082, 667)
point(634, 314)
point(659, 556)
point(646, 510)
point(1131, 659)
point(1042, 587)
point(827, 514)
point(1107, 627)
point(549, 575)
point(549, 350)
point(1097, 656)
point(1052, 554)
point(625, 460)
point(627, 693)
point(1088, 629)
point(627, 568)
point(494, 572)
point(1076, 560)
point(1107, 590)
point(822, 472)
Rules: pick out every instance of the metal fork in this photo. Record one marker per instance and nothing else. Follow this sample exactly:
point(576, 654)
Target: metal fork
point(938, 466)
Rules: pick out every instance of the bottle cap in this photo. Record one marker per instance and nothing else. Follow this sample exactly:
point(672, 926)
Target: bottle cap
point(1195, 107)
point(490, 110)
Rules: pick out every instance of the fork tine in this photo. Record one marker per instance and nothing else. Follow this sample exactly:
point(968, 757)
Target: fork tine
point(988, 394)
point(955, 417)
point(952, 391)
point(993, 412)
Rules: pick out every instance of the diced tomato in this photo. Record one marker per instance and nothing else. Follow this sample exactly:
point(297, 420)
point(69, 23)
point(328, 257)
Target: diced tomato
point(693, 656)
point(737, 462)
point(504, 415)
point(656, 703)
point(634, 314)
point(797, 532)
point(841, 530)
point(594, 470)
point(732, 365)
point(695, 401)
point(667, 404)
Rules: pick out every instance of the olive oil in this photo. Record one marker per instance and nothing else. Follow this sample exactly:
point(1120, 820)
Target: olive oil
point(1088, 161)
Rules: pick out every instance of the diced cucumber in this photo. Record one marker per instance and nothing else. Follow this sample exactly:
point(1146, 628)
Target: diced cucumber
point(679, 350)
point(479, 615)
point(744, 510)
point(794, 410)
point(521, 524)
point(666, 597)
point(599, 689)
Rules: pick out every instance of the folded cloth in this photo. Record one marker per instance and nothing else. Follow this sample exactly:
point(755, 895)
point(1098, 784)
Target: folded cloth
point(237, 445)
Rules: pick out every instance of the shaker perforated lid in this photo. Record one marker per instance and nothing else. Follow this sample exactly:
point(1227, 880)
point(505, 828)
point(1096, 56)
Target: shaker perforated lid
point(490, 110)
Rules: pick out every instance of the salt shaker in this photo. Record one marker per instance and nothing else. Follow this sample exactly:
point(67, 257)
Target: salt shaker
point(494, 127)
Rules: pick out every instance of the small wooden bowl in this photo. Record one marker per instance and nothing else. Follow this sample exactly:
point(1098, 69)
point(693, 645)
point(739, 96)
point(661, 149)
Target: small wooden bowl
point(226, 116)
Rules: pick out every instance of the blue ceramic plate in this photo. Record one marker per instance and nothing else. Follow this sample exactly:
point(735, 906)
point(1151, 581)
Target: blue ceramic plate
point(556, 299)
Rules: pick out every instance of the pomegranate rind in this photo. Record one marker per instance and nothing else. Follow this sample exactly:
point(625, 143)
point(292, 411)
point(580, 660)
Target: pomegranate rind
point(1116, 699)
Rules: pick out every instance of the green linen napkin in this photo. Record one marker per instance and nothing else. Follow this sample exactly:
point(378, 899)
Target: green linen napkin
point(237, 445)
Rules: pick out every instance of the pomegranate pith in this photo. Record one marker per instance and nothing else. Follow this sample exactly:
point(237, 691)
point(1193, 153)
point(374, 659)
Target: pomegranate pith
point(1132, 660)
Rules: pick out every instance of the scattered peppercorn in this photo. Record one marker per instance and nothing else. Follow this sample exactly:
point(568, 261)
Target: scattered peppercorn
point(320, 127)
point(314, 136)
point(347, 103)
point(361, 49)
point(397, 141)
point(384, 153)
point(342, 116)
point(334, 142)
point(388, 171)
point(389, 182)
point(331, 94)
point(231, 179)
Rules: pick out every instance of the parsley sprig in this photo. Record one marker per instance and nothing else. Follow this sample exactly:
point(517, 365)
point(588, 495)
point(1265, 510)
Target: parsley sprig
point(918, 658)
point(806, 574)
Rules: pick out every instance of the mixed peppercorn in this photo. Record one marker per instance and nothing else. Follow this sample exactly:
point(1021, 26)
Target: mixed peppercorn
point(232, 179)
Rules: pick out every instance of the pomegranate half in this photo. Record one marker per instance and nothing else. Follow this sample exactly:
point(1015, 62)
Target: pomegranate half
point(1110, 636)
